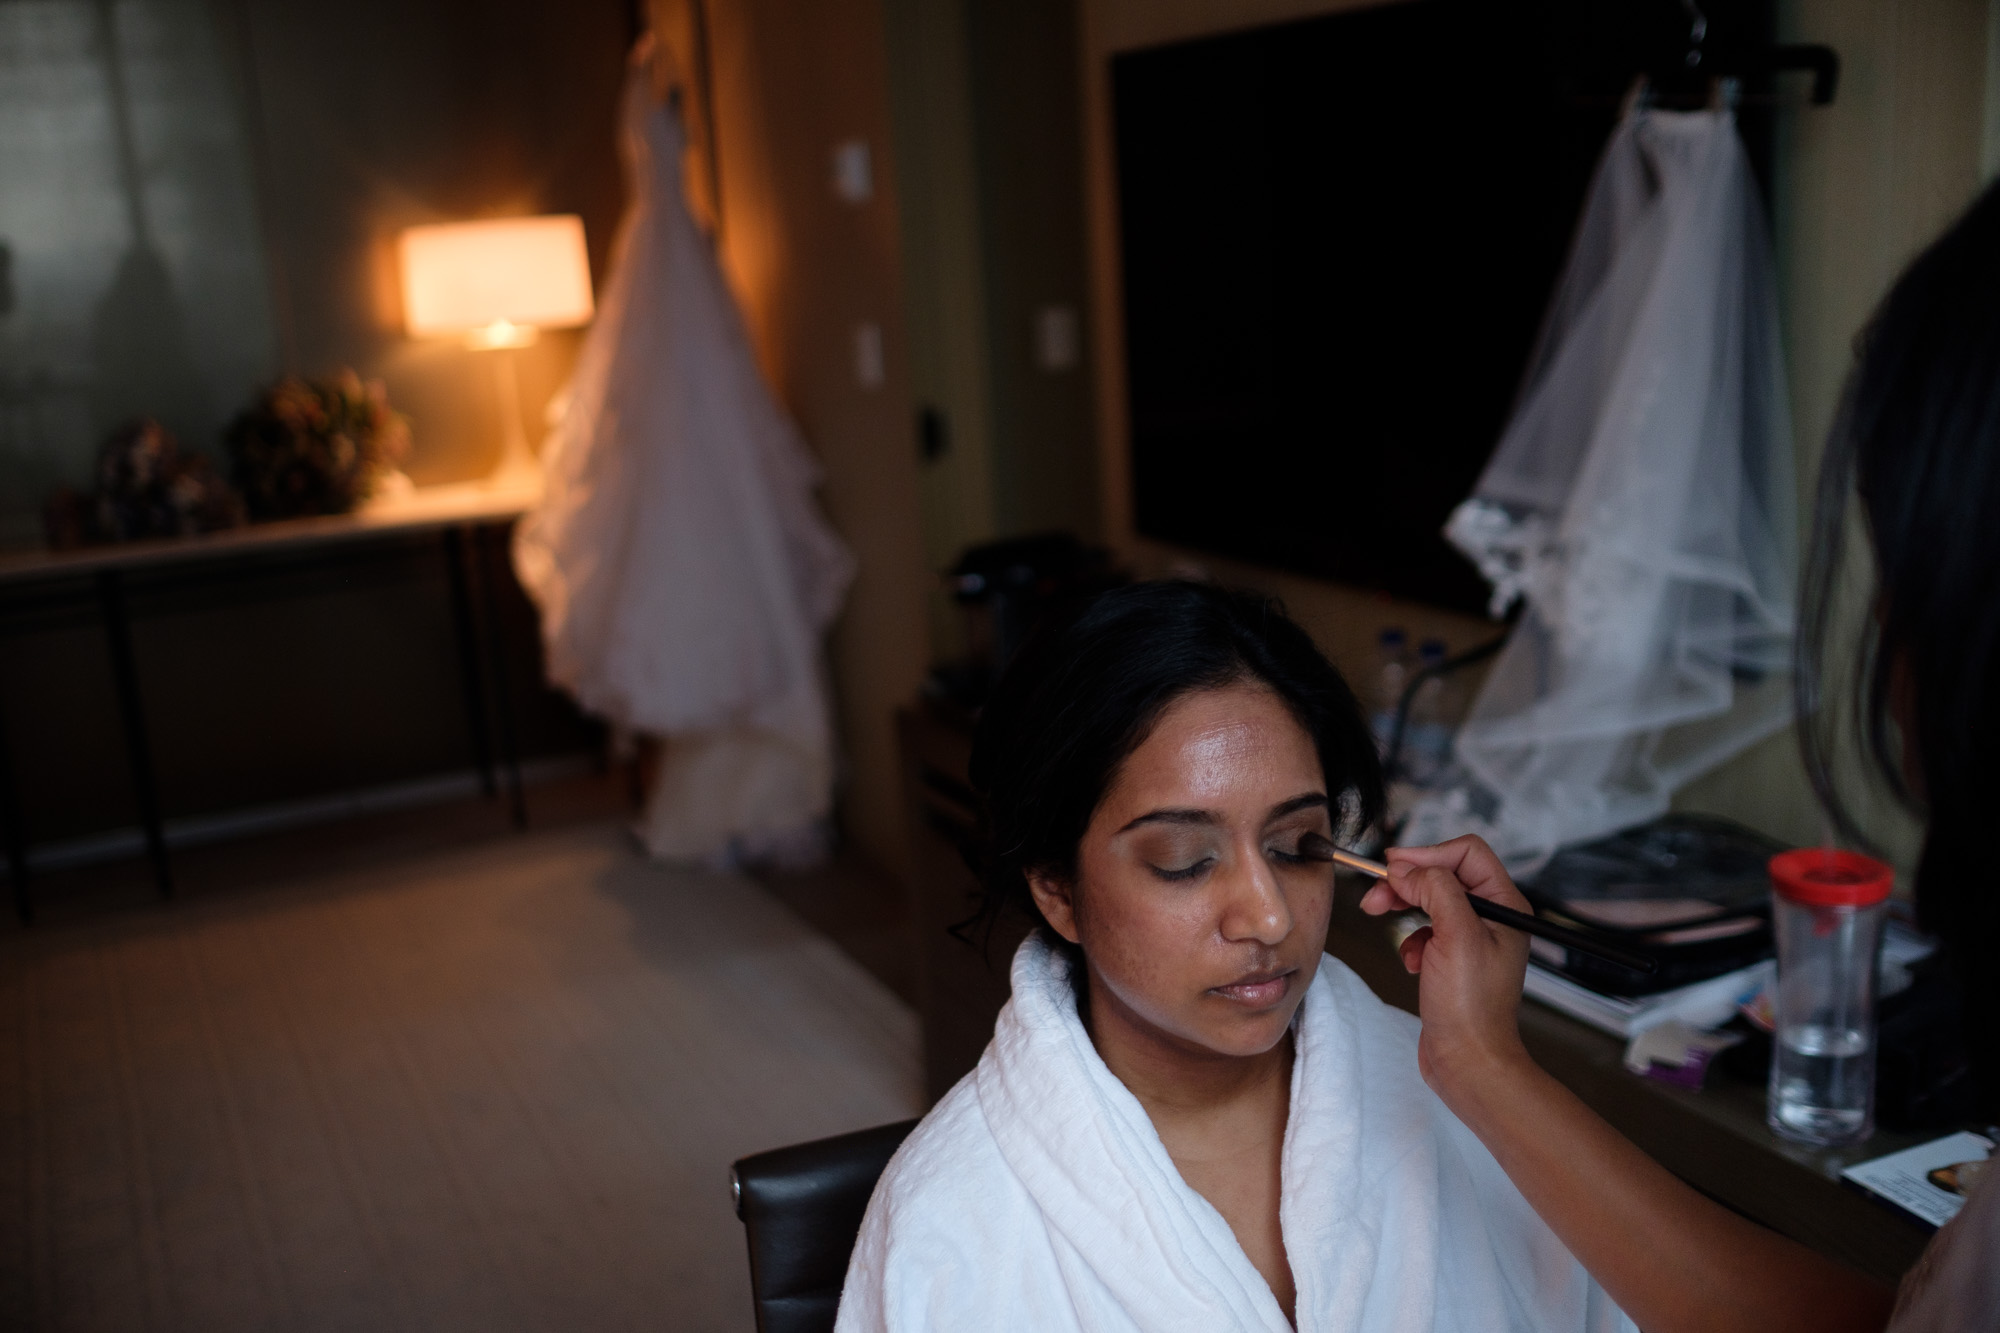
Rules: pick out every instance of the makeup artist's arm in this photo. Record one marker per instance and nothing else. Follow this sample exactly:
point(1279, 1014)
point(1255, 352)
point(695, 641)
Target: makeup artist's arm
point(1672, 1259)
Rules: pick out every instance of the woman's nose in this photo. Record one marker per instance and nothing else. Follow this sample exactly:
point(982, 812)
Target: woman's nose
point(1256, 909)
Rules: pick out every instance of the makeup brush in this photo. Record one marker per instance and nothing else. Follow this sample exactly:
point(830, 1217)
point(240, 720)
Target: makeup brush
point(1507, 916)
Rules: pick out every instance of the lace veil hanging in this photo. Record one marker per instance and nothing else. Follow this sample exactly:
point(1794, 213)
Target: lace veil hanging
point(1641, 501)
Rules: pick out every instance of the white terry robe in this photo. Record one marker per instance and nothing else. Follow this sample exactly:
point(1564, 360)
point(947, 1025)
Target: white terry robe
point(1037, 1195)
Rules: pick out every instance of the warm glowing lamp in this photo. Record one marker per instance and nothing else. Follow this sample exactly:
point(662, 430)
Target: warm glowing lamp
point(497, 284)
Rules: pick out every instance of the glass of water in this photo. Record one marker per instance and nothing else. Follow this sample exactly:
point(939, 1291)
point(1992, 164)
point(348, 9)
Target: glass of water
point(1827, 909)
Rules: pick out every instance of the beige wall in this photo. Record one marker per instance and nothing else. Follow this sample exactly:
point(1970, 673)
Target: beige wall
point(944, 292)
point(793, 78)
point(1025, 101)
point(985, 97)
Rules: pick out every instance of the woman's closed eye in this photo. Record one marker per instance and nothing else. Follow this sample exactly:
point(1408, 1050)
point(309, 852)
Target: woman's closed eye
point(1301, 847)
point(1177, 873)
point(1181, 854)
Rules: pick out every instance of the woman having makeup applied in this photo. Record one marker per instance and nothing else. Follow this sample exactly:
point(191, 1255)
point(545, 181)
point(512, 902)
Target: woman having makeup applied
point(1918, 444)
point(1189, 1117)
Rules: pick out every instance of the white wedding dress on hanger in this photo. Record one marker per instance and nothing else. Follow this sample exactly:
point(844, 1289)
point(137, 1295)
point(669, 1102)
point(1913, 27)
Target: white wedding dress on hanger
point(1641, 501)
point(683, 570)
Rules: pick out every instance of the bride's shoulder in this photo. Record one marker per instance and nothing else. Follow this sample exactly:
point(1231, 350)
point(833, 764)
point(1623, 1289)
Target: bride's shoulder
point(945, 1228)
point(950, 1157)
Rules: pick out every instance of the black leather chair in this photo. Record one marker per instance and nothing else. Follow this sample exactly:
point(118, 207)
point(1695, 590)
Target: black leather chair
point(801, 1208)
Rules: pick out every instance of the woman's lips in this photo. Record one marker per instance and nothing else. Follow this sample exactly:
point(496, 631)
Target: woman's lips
point(1257, 991)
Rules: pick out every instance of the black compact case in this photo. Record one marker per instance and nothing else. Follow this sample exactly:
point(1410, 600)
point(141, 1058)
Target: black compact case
point(1691, 892)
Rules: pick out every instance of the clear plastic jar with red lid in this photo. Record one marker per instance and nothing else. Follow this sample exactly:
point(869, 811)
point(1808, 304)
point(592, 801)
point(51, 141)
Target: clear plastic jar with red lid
point(1827, 911)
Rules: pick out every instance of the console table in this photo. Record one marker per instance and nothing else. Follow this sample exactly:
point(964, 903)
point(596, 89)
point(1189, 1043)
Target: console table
point(470, 519)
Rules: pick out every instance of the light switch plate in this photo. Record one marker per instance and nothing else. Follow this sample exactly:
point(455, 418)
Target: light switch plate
point(1058, 341)
point(868, 366)
point(853, 171)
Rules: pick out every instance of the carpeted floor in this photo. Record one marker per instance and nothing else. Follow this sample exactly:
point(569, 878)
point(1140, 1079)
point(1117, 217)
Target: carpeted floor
point(495, 1087)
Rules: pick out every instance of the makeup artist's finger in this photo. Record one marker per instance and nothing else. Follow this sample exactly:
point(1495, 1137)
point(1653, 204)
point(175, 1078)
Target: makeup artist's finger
point(1471, 971)
point(1382, 897)
point(1441, 894)
point(1412, 949)
point(1468, 859)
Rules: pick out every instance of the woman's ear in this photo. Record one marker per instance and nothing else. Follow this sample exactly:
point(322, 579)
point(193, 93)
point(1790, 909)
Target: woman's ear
point(1056, 898)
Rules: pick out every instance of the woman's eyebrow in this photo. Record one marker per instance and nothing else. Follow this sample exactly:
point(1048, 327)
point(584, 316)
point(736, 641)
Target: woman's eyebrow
point(1309, 801)
point(1172, 816)
point(1178, 815)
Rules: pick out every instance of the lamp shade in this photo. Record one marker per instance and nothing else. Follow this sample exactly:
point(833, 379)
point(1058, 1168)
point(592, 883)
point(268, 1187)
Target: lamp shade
point(504, 273)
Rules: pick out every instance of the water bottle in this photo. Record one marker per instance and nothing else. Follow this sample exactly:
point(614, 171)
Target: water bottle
point(1427, 735)
point(1826, 910)
point(1392, 673)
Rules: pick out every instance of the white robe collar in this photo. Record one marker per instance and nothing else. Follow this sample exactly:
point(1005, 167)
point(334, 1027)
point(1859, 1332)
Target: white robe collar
point(1087, 1152)
point(1038, 1196)
point(1393, 1216)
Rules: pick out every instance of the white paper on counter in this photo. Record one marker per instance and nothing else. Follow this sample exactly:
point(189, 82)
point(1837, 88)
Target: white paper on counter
point(1901, 1176)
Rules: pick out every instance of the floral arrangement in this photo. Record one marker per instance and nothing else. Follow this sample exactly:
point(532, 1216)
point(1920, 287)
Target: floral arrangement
point(146, 487)
point(315, 446)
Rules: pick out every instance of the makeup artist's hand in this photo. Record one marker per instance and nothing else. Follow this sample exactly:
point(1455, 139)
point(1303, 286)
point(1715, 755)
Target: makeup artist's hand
point(1471, 968)
point(1671, 1259)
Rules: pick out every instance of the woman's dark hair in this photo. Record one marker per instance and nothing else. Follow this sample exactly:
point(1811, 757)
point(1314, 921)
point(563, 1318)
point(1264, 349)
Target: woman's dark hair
point(1918, 440)
point(1087, 689)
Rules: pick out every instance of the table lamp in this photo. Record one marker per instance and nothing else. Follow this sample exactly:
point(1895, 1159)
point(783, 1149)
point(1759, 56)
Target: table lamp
point(497, 284)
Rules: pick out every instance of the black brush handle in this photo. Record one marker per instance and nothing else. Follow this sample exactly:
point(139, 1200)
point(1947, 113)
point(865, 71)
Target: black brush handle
point(1505, 916)
point(1563, 935)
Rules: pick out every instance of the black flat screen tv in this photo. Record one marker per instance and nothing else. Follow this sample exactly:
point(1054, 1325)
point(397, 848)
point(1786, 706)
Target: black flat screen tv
point(1338, 237)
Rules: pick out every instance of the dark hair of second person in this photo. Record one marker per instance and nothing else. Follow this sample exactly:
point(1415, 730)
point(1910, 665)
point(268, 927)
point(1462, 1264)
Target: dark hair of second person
point(1918, 440)
point(1086, 691)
